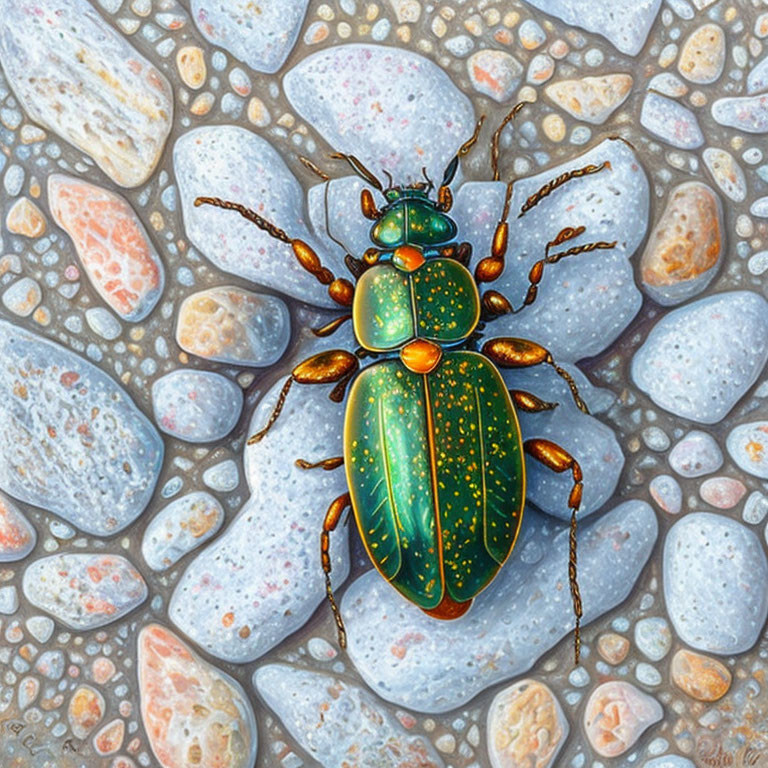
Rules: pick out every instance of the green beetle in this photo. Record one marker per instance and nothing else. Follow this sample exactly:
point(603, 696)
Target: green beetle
point(433, 453)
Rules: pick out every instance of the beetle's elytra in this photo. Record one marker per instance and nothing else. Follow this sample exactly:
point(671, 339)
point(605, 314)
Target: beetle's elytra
point(434, 457)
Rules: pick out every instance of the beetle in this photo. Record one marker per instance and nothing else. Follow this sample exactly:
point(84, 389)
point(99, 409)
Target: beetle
point(433, 452)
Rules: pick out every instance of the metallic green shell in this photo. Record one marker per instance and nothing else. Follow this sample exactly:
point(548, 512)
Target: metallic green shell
point(435, 470)
point(439, 301)
point(412, 221)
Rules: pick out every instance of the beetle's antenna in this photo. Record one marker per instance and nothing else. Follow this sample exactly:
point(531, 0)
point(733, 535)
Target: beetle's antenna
point(390, 180)
point(328, 220)
point(497, 136)
point(359, 169)
point(429, 181)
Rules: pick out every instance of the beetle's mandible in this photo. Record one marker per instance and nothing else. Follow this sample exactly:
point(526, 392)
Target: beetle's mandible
point(434, 457)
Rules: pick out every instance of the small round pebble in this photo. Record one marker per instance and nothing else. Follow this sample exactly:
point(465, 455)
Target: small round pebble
point(612, 647)
point(701, 677)
point(667, 493)
point(722, 492)
point(695, 455)
point(747, 445)
point(653, 637)
point(755, 508)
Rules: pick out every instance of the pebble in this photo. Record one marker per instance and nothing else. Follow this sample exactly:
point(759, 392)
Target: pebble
point(722, 492)
point(755, 508)
point(75, 75)
point(701, 677)
point(22, 297)
point(103, 323)
point(745, 113)
point(84, 591)
point(671, 122)
point(647, 674)
point(9, 600)
point(667, 493)
point(494, 73)
point(669, 761)
point(338, 723)
point(757, 79)
point(696, 454)
point(190, 61)
point(17, 535)
point(541, 68)
point(685, 247)
point(702, 57)
point(554, 127)
point(74, 442)
point(25, 218)
point(193, 713)
point(261, 579)
point(612, 647)
point(653, 637)
point(592, 99)
point(85, 710)
point(747, 445)
point(616, 715)
point(531, 34)
point(711, 566)
point(110, 737)
point(112, 244)
point(759, 208)
point(526, 726)
point(196, 406)
point(233, 163)
point(583, 303)
point(726, 172)
point(51, 664)
point(261, 35)
point(40, 627)
point(230, 325)
point(433, 117)
point(179, 528)
point(668, 84)
point(459, 46)
point(700, 359)
point(222, 477)
point(624, 23)
point(435, 666)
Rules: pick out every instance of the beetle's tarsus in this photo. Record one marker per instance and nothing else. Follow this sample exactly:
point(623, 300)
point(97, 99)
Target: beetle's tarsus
point(332, 517)
point(275, 413)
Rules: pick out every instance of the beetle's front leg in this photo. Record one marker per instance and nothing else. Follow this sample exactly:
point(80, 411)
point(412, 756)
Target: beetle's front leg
point(332, 517)
point(552, 456)
point(508, 352)
point(336, 366)
point(529, 403)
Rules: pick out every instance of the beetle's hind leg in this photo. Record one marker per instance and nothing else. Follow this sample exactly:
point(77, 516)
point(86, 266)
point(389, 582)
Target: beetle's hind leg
point(552, 456)
point(332, 517)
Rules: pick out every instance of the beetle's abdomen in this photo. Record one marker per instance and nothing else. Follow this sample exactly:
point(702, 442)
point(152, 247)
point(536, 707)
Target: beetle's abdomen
point(435, 470)
point(438, 301)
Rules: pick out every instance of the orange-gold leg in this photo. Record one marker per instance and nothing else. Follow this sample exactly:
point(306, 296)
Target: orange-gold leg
point(525, 401)
point(327, 464)
point(558, 459)
point(332, 517)
point(522, 353)
point(563, 178)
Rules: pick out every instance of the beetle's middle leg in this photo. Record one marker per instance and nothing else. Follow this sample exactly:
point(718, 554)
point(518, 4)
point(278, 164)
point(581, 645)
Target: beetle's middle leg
point(332, 517)
point(335, 366)
point(509, 352)
point(552, 456)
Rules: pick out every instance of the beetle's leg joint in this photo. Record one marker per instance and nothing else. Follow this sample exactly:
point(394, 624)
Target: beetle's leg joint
point(332, 517)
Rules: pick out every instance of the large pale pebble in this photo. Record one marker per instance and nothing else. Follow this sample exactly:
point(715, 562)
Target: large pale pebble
point(696, 454)
point(702, 57)
point(494, 73)
point(700, 359)
point(114, 248)
point(591, 99)
point(671, 121)
point(76, 75)
point(745, 113)
point(73, 441)
point(715, 583)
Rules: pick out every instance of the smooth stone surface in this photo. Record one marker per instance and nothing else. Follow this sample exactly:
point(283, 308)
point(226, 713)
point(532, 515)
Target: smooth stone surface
point(182, 526)
point(591, 99)
point(112, 244)
point(585, 302)
point(235, 164)
point(722, 492)
point(109, 738)
point(701, 677)
point(76, 75)
point(726, 172)
point(262, 35)
point(699, 360)
point(616, 715)
point(25, 218)
point(667, 493)
point(494, 73)
point(653, 637)
point(757, 79)
point(433, 117)
point(435, 666)
point(17, 535)
point(685, 247)
point(262, 578)
point(702, 56)
point(747, 445)
point(745, 113)
point(230, 325)
point(85, 710)
point(84, 591)
point(669, 761)
point(338, 723)
point(22, 297)
point(193, 713)
point(696, 454)
point(755, 508)
point(625, 23)
point(196, 406)
point(526, 726)
point(671, 122)
point(612, 647)
point(73, 441)
point(715, 572)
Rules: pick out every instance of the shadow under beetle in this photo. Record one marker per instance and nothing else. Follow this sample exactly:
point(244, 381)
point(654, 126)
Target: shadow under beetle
point(433, 452)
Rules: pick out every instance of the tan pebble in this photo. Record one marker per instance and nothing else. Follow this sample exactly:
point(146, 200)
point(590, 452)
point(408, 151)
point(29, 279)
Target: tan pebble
point(492, 17)
point(156, 220)
point(668, 55)
point(190, 61)
point(701, 677)
point(325, 12)
point(612, 647)
point(527, 93)
point(371, 12)
point(343, 30)
point(554, 127)
point(526, 726)
point(34, 187)
point(511, 19)
point(202, 104)
point(731, 14)
point(25, 218)
point(103, 670)
point(591, 99)
point(258, 114)
point(31, 134)
point(85, 711)
point(503, 36)
point(702, 57)
point(404, 34)
point(559, 49)
point(474, 25)
point(42, 316)
point(439, 27)
point(698, 99)
point(406, 11)
point(761, 25)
